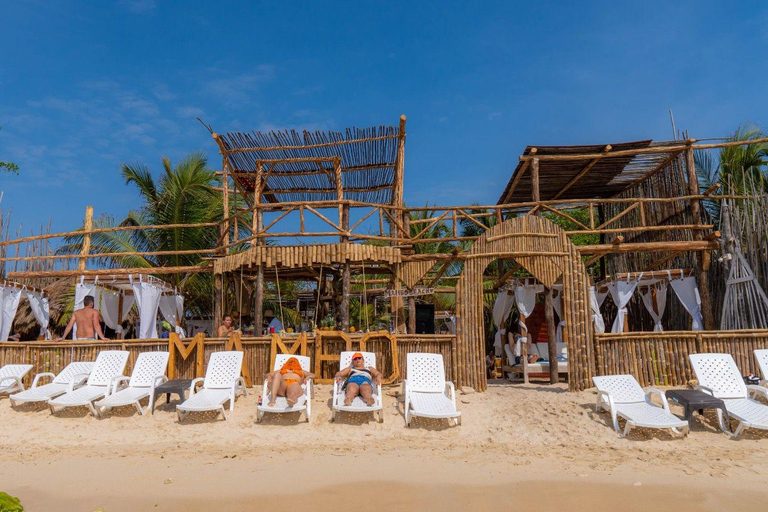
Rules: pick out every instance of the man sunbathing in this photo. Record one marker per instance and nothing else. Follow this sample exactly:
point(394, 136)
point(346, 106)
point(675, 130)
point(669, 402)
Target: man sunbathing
point(287, 382)
point(360, 380)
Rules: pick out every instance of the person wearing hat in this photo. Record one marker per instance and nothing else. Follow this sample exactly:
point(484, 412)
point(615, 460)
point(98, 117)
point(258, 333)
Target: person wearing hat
point(359, 380)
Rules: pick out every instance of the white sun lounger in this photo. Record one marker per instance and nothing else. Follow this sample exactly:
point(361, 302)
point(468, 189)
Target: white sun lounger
point(222, 383)
point(719, 376)
point(281, 403)
point(762, 362)
point(148, 372)
point(11, 375)
point(109, 364)
point(357, 404)
point(58, 386)
point(427, 393)
point(621, 395)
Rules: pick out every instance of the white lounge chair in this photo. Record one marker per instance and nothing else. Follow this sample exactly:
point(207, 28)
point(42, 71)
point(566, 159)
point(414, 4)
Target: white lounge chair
point(148, 372)
point(222, 383)
point(762, 362)
point(621, 395)
point(719, 376)
point(357, 404)
point(281, 404)
point(58, 386)
point(11, 375)
point(109, 364)
point(427, 393)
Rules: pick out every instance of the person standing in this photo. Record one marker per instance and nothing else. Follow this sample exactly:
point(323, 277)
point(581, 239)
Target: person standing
point(87, 321)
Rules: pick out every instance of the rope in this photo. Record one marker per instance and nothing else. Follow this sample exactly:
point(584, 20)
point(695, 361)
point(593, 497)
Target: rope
point(365, 302)
point(279, 298)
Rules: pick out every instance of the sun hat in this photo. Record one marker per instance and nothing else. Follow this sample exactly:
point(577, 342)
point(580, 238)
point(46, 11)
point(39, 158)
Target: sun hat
point(356, 355)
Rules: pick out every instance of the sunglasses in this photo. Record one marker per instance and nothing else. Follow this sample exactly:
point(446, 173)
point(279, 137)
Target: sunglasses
point(357, 358)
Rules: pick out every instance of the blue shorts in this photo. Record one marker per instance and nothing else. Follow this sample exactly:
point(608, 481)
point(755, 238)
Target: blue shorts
point(359, 380)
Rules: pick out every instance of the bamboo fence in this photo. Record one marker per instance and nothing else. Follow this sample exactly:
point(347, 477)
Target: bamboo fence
point(54, 356)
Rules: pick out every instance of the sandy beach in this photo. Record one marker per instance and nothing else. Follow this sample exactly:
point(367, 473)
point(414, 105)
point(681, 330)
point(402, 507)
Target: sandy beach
point(518, 446)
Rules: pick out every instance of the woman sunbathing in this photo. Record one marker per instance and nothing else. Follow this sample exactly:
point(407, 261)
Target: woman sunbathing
point(287, 382)
point(360, 380)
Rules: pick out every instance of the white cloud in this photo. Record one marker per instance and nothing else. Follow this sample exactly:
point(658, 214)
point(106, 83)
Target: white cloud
point(189, 111)
point(140, 6)
point(241, 89)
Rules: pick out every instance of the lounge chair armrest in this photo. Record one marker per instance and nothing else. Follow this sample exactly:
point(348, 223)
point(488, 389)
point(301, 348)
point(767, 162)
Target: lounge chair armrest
point(156, 381)
point(40, 376)
point(604, 397)
point(764, 383)
point(194, 383)
point(705, 389)
point(14, 378)
point(656, 391)
point(114, 382)
point(449, 386)
point(757, 390)
point(77, 381)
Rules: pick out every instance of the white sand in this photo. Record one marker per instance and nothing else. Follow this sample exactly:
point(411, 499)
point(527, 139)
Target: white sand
point(518, 445)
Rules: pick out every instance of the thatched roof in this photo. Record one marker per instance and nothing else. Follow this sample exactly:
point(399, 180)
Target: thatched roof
point(579, 178)
point(368, 157)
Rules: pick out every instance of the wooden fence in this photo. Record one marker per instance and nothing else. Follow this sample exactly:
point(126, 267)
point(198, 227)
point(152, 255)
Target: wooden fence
point(661, 358)
point(53, 357)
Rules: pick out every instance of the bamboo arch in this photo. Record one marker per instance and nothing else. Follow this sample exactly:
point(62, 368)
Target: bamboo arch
point(545, 251)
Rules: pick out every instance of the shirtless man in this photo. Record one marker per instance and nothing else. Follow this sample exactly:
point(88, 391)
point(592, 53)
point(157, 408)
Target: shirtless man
point(87, 320)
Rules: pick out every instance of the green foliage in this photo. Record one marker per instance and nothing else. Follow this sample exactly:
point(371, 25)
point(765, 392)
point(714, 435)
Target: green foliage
point(9, 166)
point(10, 503)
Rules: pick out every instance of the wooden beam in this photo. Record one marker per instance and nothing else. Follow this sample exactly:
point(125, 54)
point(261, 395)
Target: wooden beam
point(109, 272)
point(87, 227)
point(535, 192)
point(311, 146)
point(581, 173)
point(397, 188)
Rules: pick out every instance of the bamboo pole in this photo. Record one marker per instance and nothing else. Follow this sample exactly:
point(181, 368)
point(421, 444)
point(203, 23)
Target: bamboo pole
point(87, 226)
point(703, 257)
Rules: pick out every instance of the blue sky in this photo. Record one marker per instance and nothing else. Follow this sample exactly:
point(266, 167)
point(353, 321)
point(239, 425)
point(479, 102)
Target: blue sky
point(86, 86)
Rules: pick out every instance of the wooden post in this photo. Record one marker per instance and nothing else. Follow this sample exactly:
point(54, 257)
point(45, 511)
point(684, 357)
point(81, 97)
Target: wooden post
point(218, 297)
point(549, 314)
point(703, 256)
point(535, 195)
point(396, 303)
point(345, 273)
point(411, 315)
point(397, 190)
point(87, 226)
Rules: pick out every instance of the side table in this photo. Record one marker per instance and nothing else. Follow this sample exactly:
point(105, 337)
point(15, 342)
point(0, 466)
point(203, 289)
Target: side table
point(695, 400)
point(175, 386)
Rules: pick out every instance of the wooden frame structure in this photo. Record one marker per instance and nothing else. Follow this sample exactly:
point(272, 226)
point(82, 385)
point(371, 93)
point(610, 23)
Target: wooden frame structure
point(312, 185)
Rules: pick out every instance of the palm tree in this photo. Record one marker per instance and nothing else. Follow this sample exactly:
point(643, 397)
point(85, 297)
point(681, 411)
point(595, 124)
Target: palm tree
point(184, 194)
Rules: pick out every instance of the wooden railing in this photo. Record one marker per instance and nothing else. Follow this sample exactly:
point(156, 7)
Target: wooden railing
point(661, 358)
point(54, 356)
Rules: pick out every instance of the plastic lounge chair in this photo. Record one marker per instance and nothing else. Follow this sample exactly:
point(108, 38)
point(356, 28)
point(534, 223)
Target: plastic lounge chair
point(621, 395)
point(222, 383)
point(762, 362)
point(109, 364)
point(427, 393)
point(148, 372)
point(357, 404)
point(281, 403)
point(11, 375)
point(58, 386)
point(719, 376)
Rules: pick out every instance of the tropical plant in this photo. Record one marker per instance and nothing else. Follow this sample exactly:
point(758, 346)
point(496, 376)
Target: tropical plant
point(185, 195)
point(9, 166)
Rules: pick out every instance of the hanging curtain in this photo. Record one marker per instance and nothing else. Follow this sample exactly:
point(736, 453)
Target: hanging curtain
point(557, 305)
point(621, 292)
point(525, 299)
point(41, 310)
point(688, 293)
point(661, 304)
point(180, 314)
point(11, 297)
point(110, 306)
point(148, 300)
point(450, 322)
point(501, 309)
point(172, 308)
point(595, 301)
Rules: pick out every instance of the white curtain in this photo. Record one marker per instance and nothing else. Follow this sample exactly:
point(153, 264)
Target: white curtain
point(450, 322)
point(148, 299)
point(595, 301)
point(11, 297)
point(172, 308)
point(525, 299)
point(621, 292)
point(82, 290)
point(557, 305)
point(661, 304)
point(41, 310)
point(688, 293)
point(501, 309)
point(110, 306)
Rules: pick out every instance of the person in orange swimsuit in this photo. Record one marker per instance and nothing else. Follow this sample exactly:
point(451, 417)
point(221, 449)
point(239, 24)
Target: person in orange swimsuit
point(287, 382)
